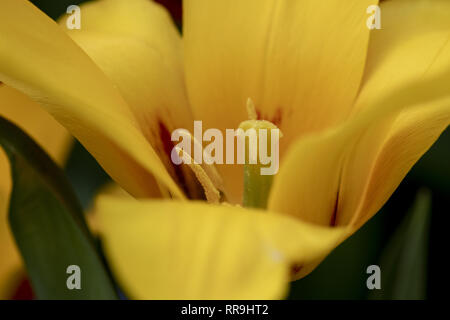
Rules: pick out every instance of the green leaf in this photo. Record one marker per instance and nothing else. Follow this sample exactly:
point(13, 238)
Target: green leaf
point(48, 223)
point(404, 261)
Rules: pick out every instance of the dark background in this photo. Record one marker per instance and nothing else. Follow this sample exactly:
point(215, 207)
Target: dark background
point(343, 274)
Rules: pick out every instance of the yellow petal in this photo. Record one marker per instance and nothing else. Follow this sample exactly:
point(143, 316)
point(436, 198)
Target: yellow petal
point(110, 189)
point(54, 139)
point(178, 250)
point(414, 44)
point(300, 61)
point(136, 44)
point(308, 183)
point(411, 135)
point(39, 59)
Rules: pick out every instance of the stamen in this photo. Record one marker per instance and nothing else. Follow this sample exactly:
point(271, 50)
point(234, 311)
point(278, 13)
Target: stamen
point(210, 169)
point(211, 193)
point(251, 110)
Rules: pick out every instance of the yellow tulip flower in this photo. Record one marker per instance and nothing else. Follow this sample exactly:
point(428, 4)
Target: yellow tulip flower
point(357, 109)
point(26, 113)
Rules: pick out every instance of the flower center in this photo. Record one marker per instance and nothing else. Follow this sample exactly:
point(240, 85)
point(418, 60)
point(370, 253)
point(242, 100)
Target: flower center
point(257, 149)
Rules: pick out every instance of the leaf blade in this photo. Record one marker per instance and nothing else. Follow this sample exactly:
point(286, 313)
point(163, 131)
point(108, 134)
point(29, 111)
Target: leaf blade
point(48, 223)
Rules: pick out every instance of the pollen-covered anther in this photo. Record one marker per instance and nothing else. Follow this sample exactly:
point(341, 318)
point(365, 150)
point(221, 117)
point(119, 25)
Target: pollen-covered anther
point(209, 169)
point(211, 193)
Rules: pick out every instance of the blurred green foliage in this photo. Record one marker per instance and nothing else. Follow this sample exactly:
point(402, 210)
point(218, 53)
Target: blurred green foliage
point(48, 223)
point(54, 9)
point(85, 174)
point(404, 260)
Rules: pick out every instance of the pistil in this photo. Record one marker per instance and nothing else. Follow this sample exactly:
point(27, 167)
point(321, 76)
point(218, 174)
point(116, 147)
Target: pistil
point(261, 144)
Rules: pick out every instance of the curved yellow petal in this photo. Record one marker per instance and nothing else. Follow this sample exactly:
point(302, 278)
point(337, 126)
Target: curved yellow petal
point(300, 61)
point(110, 189)
point(179, 250)
point(135, 43)
point(309, 182)
point(24, 112)
point(411, 135)
point(414, 44)
point(38, 58)
point(46, 131)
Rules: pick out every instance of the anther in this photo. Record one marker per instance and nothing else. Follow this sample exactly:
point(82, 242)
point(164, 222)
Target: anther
point(209, 169)
point(211, 193)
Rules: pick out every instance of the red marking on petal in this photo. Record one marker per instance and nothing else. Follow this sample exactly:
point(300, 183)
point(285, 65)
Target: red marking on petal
point(24, 291)
point(275, 119)
point(333, 220)
point(258, 115)
point(296, 269)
